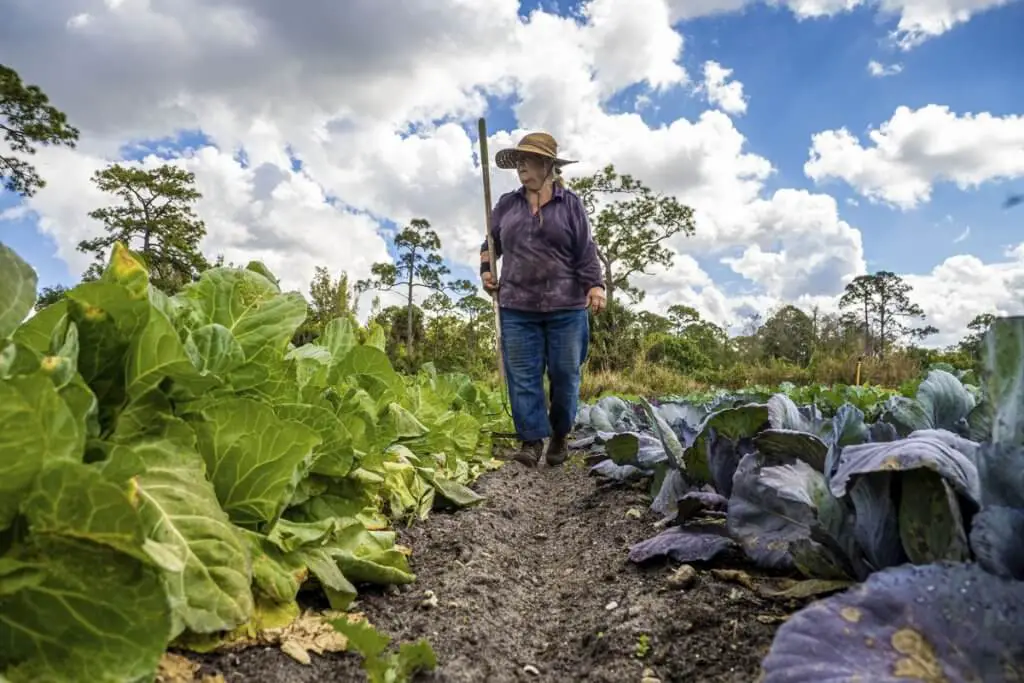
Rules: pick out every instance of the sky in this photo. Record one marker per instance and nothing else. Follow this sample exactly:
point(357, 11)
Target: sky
point(816, 140)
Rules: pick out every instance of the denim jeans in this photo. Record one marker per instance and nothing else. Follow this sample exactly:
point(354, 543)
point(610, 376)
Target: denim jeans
point(533, 343)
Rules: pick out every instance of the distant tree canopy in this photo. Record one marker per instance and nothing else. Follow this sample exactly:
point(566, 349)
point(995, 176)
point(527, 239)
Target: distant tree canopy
point(28, 121)
point(879, 304)
point(789, 335)
point(155, 218)
point(418, 266)
point(50, 295)
point(631, 224)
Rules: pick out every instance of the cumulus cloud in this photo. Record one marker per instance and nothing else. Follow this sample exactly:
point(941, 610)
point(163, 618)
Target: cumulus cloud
point(963, 286)
point(917, 148)
point(722, 92)
point(381, 122)
point(630, 42)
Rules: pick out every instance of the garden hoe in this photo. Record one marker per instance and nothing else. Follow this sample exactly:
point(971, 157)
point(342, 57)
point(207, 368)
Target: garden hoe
point(485, 169)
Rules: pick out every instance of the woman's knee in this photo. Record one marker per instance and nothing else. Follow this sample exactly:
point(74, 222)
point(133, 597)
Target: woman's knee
point(564, 372)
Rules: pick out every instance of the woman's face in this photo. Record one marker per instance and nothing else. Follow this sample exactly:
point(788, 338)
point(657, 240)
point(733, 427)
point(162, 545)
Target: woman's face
point(532, 171)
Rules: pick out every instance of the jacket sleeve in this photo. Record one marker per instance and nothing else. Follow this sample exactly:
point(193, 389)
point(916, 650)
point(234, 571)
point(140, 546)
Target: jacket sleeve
point(588, 265)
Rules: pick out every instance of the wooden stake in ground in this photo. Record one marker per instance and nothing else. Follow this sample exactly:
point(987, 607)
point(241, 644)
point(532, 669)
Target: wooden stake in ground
point(485, 169)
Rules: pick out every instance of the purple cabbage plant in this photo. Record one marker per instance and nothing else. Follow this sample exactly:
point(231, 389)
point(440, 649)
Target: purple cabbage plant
point(953, 609)
point(925, 507)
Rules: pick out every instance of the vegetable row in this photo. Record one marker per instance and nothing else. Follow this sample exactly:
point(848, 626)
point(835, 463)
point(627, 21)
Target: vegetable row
point(920, 506)
point(174, 471)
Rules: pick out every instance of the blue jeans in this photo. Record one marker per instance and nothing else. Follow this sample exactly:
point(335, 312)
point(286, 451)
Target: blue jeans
point(532, 343)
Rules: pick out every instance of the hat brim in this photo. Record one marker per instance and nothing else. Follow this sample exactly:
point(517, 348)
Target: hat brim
point(508, 158)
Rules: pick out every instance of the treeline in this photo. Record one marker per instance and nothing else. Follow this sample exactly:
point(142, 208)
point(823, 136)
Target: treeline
point(875, 336)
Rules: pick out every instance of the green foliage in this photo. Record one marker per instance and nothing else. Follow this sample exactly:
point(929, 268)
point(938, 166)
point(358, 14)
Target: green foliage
point(17, 290)
point(616, 338)
point(380, 665)
point(28, 120)
point(979, 325)
point(171, 466)
point(419, 265)
point(328, 299)
point(155, 218)
point(643, 646)
point(682, 317)
point(682, 354)
point(881, 307)
point(394, 321)
point(638, 351)
point(788, 335)
point(49, 296)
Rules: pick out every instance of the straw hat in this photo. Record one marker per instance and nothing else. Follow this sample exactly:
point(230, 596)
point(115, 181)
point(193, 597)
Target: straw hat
point(540, 144)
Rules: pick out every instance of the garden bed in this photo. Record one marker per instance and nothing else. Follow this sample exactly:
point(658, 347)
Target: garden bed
point(535, 584)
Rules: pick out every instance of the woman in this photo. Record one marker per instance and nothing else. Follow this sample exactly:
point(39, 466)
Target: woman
point(550, 277)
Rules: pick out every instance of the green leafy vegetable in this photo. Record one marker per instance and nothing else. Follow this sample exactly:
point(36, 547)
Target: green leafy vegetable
point(171, 468)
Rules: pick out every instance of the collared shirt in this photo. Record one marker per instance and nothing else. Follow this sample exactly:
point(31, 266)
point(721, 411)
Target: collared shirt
point(549, 264)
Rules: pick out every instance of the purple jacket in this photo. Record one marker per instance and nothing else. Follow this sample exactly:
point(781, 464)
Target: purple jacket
point(549, 266)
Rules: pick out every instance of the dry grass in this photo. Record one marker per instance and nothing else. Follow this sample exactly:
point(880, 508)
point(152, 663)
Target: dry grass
point(651, 380)
point(891, 371)
point(647, 379)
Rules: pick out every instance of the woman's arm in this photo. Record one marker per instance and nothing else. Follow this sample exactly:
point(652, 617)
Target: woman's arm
point(591, 272)
point(588, 263)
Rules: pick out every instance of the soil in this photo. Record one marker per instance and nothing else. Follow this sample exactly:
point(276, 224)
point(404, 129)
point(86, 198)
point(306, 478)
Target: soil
point(534, 584)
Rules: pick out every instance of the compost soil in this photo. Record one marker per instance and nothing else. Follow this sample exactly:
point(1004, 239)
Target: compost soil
point(534, 584)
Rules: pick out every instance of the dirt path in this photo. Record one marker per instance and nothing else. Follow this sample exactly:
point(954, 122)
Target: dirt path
point(534, 585)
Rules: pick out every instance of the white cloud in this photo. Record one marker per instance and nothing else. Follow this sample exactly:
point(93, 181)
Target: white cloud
point(264, 213)
point(721, 91)
point(378, 119)
point(827, 254)
point(962, 236)
point(918, 148)
point(963, 286)
point(879, 70)
point(921, 20)
point(917, 20)
point(630, 42)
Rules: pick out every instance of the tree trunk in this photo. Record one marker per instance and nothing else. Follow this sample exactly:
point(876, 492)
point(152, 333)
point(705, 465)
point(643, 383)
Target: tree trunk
point(609, 291)
point(867, 327)
point(408, 322)
point(883, 328)
point(609, 284)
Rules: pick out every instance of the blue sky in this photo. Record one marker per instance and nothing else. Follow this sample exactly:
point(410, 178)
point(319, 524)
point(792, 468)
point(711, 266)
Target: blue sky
point(23, 236)
point(803, 77)
point(800, 77)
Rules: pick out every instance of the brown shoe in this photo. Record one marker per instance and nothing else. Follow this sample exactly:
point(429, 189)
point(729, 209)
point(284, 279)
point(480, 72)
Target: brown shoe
point(530, 453)
point(558, 451)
